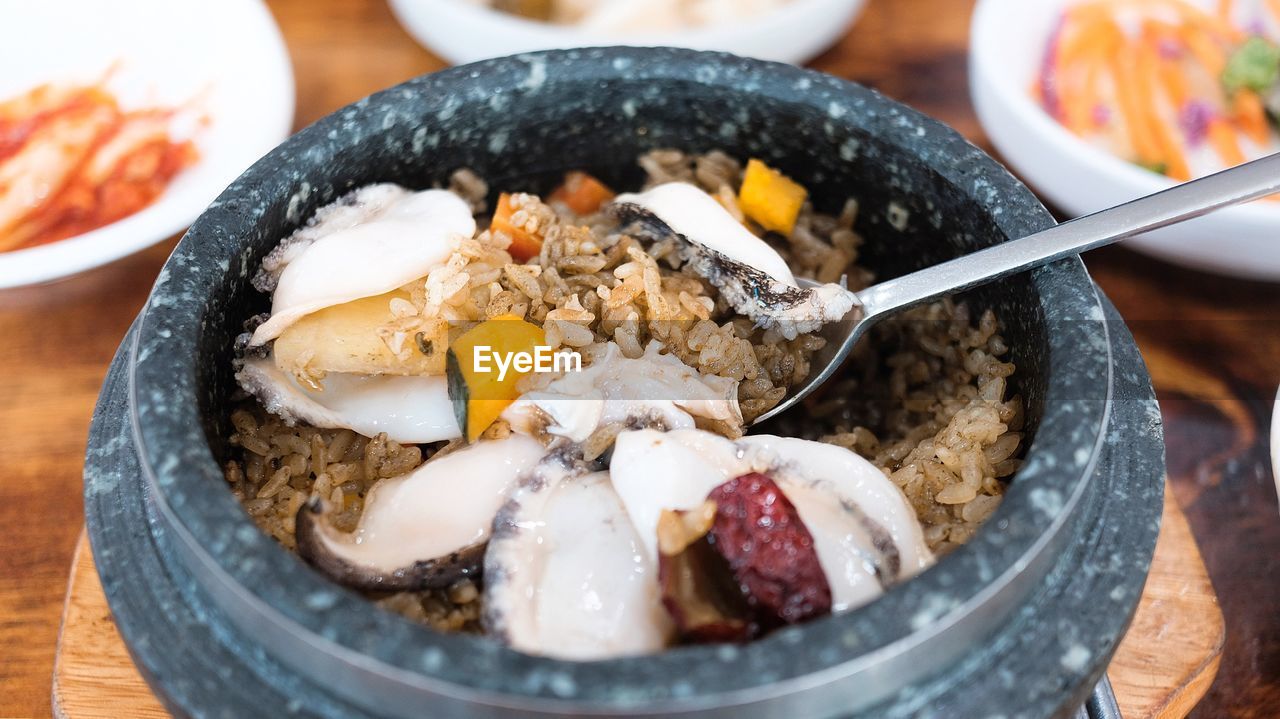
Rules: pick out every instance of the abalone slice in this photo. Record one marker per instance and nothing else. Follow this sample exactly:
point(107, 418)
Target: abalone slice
point(655, 389)
point(865, 533)
point(750, 274)
point(397, 239)
point(566, 574)
point(424, 529)
point(410, 409)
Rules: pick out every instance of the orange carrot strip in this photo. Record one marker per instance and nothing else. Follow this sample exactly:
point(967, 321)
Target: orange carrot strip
point(1193, 15)
point(1187, 12)
point(1087, 41)
point(1223, 138)
point(1164, 136)
point(1206, 50)
point(1075, 106)
point(1081, 96)
point(1094, 36)
point(1250, 115)
point(1128, 97)
point(1224, 10)
point(1175, 83)
point(1274, 7)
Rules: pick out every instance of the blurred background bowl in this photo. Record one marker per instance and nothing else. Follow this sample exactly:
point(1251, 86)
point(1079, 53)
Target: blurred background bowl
point(461, 31)
point(1275, 443)
point(1007, 41)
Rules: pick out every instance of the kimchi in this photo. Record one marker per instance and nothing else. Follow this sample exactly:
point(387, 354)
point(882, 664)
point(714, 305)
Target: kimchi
point(72, 160)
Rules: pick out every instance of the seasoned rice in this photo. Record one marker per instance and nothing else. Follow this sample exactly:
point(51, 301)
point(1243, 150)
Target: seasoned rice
point(932, 409)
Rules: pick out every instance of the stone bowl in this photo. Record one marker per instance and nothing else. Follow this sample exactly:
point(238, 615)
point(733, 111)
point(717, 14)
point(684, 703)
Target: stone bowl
point(1021, 620)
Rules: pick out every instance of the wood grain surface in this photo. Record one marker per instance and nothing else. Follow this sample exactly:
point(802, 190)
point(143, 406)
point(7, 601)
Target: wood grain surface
point(1212, 344)
point(1164, 665)
point(93, 676)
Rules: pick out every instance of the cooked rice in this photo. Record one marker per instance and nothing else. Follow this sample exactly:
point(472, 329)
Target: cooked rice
point(932, 413)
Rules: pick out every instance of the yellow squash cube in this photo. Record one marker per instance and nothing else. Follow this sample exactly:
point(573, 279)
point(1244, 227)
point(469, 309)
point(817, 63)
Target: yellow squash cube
point(479, 387)
point(770, 198)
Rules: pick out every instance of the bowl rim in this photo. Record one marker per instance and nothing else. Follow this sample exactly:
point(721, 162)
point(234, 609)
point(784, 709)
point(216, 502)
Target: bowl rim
point(190, 491)
point(988, 16)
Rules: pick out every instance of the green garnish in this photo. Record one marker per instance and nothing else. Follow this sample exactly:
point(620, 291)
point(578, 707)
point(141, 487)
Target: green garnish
point(1255, 65)
point(1160, 168)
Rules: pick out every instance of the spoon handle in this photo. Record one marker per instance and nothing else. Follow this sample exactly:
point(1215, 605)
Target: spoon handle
point(1190, 199)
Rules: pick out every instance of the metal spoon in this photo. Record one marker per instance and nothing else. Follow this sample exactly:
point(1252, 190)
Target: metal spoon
point(1183, 202)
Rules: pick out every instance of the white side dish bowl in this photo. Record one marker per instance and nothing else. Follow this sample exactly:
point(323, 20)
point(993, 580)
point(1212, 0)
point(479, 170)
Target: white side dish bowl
point(464, 31)
point(1007, 41)
point(1275, 443)
point(225, 58)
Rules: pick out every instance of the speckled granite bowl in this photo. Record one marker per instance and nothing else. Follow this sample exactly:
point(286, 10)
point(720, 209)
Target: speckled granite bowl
point(1020, 621)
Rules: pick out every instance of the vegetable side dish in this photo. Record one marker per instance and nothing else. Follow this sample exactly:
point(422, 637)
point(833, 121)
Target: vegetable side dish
point(616, 507)
point(623, 16)
point(1178, 89)
point(73, 160)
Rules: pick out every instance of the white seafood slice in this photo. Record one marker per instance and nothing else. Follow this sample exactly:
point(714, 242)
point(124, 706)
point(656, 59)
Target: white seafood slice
point(655, 389)
point(750, 274)
point(410, 409)
point(865, 533)
point(423, 529)
point(688, 210)
point(393, 244)
point(566, 574)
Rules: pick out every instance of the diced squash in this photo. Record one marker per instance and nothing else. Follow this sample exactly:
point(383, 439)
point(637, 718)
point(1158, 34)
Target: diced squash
point(478, 385)
point(582, 193)
point(344, 338)
point(524, 244)
point(771, 198)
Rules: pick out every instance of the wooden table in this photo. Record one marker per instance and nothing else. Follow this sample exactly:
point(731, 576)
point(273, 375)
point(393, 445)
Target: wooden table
point(1212, 345)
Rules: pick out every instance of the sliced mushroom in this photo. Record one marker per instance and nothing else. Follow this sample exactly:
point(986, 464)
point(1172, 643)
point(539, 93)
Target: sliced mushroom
point(424, 529)
point(865, 533)
point(750, 274)
point(410, 409)
point(565, 573)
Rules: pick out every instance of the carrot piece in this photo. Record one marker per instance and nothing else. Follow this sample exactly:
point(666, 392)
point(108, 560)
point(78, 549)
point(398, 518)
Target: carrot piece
point(1094, 36)
point(1250, 115)
point(1174, 82)
point(1206, 50)
point(524, 243)
point(582, 193)
point(1162, 133)
point(1192, 15)
point(1223, 138)
point(1089, 40)
point(1132, 110)
point(1274, 7)
point(1077, 101)
point(1224, 10)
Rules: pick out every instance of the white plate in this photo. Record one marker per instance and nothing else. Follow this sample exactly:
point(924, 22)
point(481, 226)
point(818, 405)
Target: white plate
point(228, 54)
point(1007, 42)
point(461, 31)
